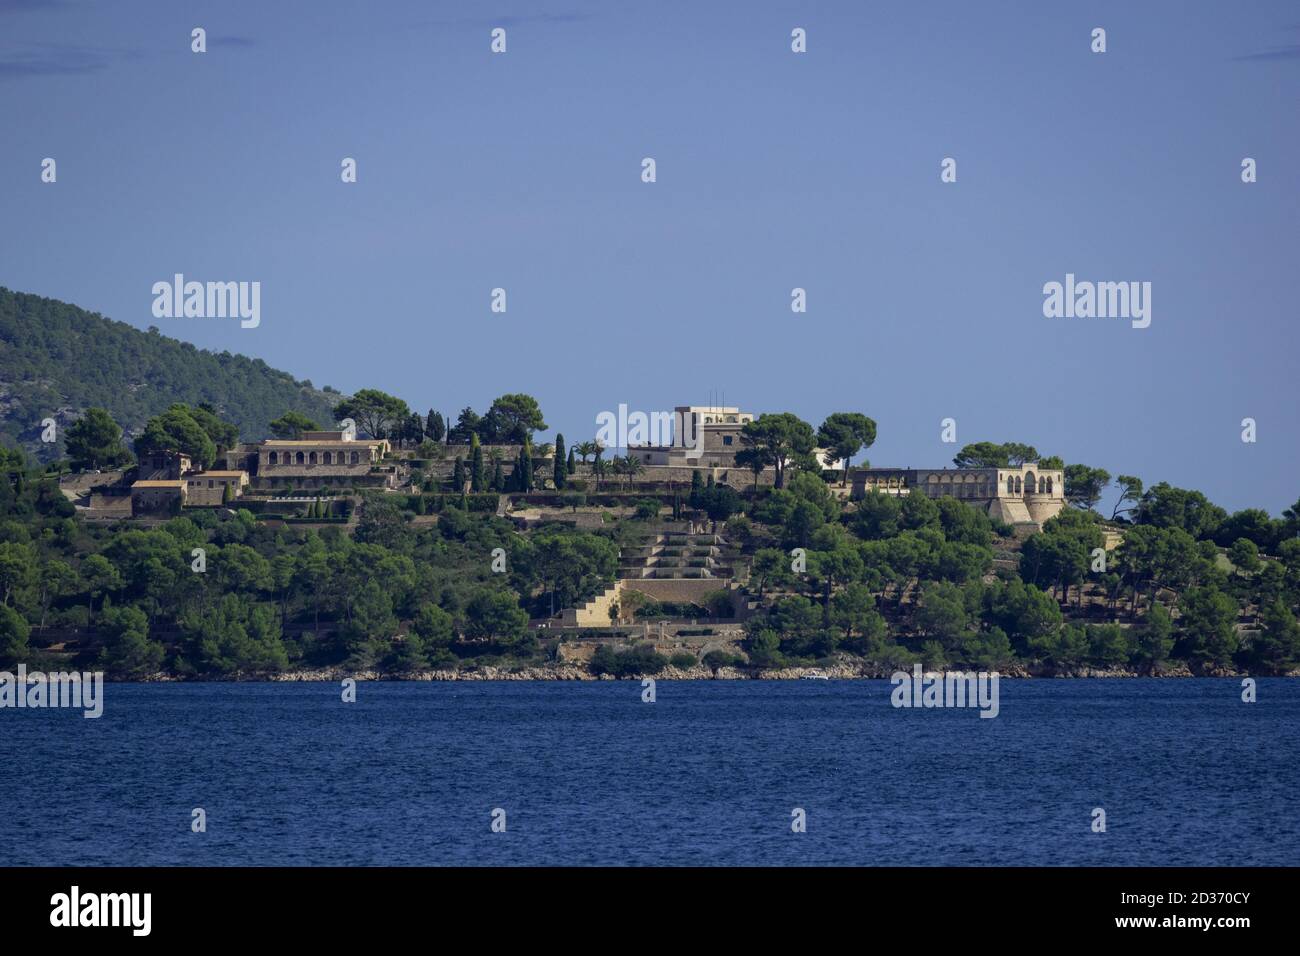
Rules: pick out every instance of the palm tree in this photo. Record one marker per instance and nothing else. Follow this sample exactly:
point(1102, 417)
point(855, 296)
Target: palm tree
point(629, 466)
point(584, 449)
point(597, 465)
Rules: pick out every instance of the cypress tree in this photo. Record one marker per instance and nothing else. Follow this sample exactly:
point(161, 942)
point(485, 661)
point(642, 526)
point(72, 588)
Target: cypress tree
point(525, 467)
point(476, 464)
point(572, 463)
point(498, 477)
point(458, 476)
point(561, 466)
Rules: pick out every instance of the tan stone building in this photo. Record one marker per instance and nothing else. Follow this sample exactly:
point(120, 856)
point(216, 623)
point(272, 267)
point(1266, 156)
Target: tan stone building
point(1019, 494)
point(208, 488)
point(705, 436)
point(320, 460)
point(153, 498)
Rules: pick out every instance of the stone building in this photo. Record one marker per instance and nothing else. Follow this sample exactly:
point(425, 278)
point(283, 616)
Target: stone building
point(1018, 494)
point(208, 488)
point(704, 436)
point(320, 460)
point(164, 466)
point(153, 498)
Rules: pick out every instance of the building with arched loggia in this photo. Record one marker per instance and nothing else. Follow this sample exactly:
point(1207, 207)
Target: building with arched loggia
point(1019, 494)
point(330, 460)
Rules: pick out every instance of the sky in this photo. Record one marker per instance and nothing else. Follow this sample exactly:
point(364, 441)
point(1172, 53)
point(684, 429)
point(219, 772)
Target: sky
point(775, 170)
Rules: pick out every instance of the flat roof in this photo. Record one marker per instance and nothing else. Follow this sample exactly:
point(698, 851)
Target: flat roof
point(159, 484)
point(324, 441)
point(217, 474)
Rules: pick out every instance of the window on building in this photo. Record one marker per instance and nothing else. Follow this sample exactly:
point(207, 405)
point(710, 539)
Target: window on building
point(726, 439)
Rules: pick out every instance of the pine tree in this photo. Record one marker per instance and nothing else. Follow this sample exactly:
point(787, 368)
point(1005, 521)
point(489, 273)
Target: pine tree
point(561, 466)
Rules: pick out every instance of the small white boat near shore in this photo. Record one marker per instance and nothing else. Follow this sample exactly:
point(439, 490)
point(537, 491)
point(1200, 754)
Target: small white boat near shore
point(813, 676)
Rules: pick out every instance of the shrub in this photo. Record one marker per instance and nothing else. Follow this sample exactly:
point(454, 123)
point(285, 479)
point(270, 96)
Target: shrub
point(631, 663)
point(683, 659)
point(716, 659)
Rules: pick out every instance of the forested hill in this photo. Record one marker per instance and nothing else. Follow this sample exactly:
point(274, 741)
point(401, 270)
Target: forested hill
point(57, 360)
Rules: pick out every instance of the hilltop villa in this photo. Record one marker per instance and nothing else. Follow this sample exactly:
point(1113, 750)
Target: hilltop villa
point(1019, 494)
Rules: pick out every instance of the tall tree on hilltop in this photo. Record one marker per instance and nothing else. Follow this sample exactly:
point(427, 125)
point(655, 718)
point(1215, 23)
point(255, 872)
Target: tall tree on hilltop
point(784, 438)
point(1130, 495)
point(561, 465)
point(176, 431)
point(475, 464)
point(291, 425)
point(95, 441)
point(1084, 485)
point(376, 412)
point(512, 419)
point(434, 426)
point(467, 424)
point(845, 434)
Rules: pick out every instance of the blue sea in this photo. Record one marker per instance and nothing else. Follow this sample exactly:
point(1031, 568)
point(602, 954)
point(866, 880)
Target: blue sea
point(710, 773)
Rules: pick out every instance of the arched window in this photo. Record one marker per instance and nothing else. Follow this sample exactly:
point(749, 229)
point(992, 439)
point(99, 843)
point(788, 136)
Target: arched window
point(274, 458)
point(329, 458)
point(312, 458)
point(1019, 486)
point(298, 458)
point(356, 458)
point(1011, 485)
point(1042, 485)
point(1049, 486)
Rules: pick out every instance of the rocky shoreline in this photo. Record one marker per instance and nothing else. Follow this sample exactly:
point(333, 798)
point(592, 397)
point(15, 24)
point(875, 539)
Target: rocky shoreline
point(575, 672)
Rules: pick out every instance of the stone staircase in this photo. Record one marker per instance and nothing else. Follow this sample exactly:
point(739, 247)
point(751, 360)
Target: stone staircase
point(676, 555)
point(594, 613)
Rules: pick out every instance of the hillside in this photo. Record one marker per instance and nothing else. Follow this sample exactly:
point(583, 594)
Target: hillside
point(56, 360)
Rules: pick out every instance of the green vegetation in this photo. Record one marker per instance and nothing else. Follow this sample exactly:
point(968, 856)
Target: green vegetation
point(56, 356)
point(887, 579)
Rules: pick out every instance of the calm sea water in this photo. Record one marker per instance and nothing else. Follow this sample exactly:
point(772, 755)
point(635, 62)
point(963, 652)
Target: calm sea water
point(709, 774)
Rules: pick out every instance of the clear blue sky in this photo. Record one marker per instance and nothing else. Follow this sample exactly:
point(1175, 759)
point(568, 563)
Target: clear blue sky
point(775, 170)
